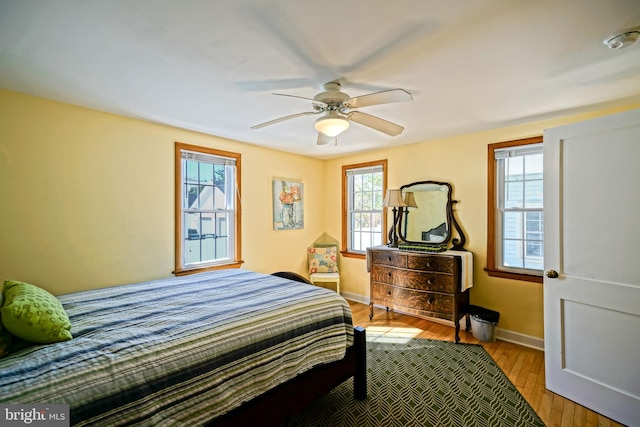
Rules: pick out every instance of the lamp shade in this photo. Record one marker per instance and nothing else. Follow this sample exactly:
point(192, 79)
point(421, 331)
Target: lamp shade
point(409, 200)
point(393, 198)
point(332, 124)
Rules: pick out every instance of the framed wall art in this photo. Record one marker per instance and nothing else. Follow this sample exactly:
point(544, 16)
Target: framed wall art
point(288, 205)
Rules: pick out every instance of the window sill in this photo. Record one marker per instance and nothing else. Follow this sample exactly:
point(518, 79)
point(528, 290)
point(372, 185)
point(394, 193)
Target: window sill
point(357, 255)
point(235, 264)
point(515, 276)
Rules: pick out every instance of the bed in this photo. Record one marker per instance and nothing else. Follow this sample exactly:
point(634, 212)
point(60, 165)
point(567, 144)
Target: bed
point(227, 347)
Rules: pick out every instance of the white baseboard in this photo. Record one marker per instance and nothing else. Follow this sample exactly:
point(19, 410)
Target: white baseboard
point(501, 334)
point(355, 297)
point(520, 339)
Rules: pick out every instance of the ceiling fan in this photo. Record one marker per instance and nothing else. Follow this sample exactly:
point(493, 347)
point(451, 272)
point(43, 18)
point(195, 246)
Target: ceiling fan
point(338, 109)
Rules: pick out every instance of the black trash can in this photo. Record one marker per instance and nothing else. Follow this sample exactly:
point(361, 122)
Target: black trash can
point(483, 323)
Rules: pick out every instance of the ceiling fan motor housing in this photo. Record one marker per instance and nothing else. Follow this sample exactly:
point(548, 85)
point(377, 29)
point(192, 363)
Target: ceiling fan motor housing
point(332, 96)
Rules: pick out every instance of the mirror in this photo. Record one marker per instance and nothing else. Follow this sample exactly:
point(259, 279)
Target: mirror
point(428, 218)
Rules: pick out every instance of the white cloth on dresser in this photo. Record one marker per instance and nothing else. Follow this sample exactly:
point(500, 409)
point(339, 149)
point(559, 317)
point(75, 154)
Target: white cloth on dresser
point(466, 268)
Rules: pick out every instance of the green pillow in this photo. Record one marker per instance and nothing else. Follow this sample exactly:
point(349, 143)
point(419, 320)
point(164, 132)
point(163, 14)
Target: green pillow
point(33, 314)
point(5, 337)
point(5, 341)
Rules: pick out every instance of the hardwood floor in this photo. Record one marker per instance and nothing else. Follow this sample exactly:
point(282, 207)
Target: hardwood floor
point(524, 366)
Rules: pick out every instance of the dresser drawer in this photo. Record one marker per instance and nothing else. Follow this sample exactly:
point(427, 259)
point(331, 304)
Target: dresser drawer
point(412, 299)
point(446, 264)
point(391, 258)
point(418, 280)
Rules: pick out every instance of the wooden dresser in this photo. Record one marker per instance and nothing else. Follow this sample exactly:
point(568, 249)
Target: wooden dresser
point(423, 284)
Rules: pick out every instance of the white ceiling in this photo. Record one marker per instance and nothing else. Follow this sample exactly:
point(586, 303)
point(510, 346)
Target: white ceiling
point(212, 65)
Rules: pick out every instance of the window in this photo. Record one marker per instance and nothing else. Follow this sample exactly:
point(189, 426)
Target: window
point(516, 216)
point(363, 219)
point(207, 209)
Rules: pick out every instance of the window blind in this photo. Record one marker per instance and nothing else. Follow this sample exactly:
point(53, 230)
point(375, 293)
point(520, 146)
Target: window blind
point(208, 158)
point(365, 170)
point(524, 150)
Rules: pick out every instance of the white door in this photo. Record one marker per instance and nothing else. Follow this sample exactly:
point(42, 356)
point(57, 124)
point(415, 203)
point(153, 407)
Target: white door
point(592, 241)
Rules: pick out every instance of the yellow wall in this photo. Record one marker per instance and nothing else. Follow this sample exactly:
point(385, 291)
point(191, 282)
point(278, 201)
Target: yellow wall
point(462, 161)
point(86, 201)
point(87, 198)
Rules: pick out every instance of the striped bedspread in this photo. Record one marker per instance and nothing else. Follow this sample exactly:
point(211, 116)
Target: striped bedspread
point(179, 351)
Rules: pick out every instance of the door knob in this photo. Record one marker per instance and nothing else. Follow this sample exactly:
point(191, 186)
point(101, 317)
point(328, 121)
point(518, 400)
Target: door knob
point(552, 274)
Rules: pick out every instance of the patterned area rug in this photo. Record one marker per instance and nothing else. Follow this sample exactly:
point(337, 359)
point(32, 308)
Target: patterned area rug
point(418, 382)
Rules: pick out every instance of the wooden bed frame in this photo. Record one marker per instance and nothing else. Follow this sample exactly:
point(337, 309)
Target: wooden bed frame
point(281, 403)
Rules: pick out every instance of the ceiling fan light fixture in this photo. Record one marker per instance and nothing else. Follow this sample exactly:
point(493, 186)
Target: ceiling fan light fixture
point(332, 124)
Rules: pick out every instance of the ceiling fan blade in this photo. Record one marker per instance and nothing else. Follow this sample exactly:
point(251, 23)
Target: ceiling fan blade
point(324, 139)
point(376, 123)
point(282, 119)
point(384, 97)
point(315, 101)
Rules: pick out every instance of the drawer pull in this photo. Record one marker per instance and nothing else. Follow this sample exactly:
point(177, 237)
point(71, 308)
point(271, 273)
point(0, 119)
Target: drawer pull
point(389, 293)
point(429, 282)
point(430, 300)
point(389, 274)
point(428, 264)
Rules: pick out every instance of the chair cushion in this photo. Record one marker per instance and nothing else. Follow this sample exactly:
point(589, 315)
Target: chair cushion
point(324, 277)
point(323, 260)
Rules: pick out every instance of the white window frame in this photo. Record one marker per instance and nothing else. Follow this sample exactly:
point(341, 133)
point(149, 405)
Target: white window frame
point(503, 209)
point(224, 211)
point(377, 237)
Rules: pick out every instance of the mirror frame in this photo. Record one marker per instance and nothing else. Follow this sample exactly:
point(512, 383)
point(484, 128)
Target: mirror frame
point(452, 223)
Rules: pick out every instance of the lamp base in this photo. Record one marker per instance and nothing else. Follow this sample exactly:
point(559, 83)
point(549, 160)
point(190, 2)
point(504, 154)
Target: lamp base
point(393, 233)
